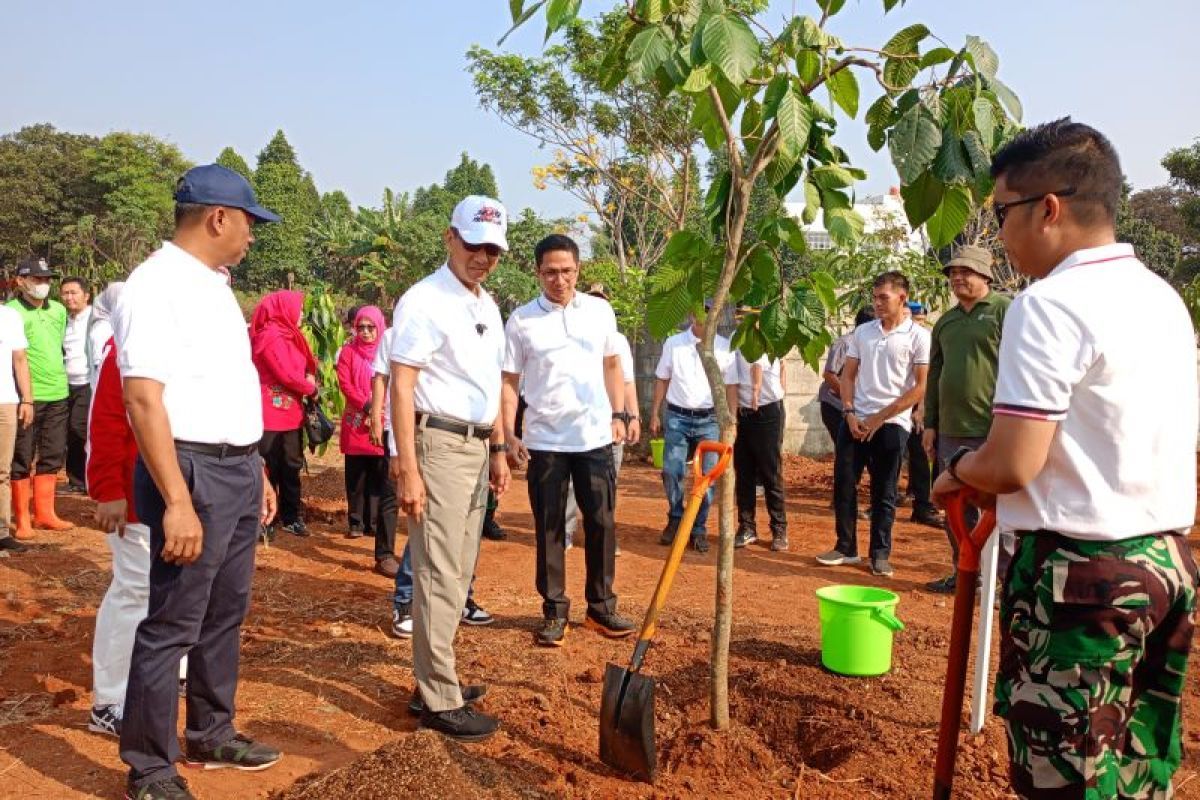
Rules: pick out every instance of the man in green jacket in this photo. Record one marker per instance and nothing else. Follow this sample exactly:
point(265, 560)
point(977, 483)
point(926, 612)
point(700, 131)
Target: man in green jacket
point(46, 439)
point(962, 370)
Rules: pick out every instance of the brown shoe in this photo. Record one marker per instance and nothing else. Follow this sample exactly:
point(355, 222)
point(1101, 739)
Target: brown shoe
point(387, 566)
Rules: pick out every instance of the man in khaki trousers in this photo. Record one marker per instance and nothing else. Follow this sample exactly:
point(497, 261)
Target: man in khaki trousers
point(447, 350)
point(16, 408)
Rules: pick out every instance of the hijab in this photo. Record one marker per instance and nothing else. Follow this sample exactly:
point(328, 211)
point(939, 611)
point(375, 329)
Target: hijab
point(364, 352)
point(276, 322)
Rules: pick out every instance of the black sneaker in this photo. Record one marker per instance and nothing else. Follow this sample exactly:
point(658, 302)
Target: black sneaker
point(240, 752)
point(71, 488)
point(927, 516)
point(106, 720)
point(464, 724)
point(470, 694)
point(175, 788)
point(402, 621)
point(700, 543)
point(744, 538)
point(355, 532)
point(553, 633)
point(946, 585)
point(613, 625)
point(296, 528)
point(473, 614)
point(779, 543)
point(835, 558)
point(668, 534)
point(493, 531)
point(881, 566)
point(11, 545)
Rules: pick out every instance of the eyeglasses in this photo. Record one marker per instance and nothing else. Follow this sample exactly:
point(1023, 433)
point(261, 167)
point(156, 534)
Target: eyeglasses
point(365, 327)
point(1002, 209)
point(551, 274)
point(493, 250)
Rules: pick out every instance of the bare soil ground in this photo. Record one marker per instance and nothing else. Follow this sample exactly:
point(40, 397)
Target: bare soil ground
point(322, 679)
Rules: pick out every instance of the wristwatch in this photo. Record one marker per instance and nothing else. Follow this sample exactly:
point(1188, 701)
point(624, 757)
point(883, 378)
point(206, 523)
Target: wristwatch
point(846, 411)
point(952, 464)
point(498, 448)
point(624, 416)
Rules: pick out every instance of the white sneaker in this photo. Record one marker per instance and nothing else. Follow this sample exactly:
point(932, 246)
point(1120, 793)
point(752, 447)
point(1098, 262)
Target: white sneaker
point(472, 614)
point(402, 622)
point(106, 720)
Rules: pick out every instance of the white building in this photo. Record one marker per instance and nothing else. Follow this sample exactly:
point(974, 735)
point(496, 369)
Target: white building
point(879, 212)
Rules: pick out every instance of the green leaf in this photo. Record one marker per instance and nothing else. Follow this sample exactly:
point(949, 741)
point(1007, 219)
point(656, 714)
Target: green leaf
point(1007, 97)
point(983, 57)
point(794, 118)
point(791, 234)
point(914, 143)
point(985, 122)
point(751, 126)
point(831, 7)
point(905, 42)
point(833, 176)
point(729, 43)
point(684, 247)
point(898, 73)
point(524, 17)
point(951, 165)
point(845, 226)
point(843, 87)
point(516, 7)
point(762, 265)
point(811, 34)
point(876, 138)
point(670, 301)
point(775, 318)
point(652, 10)
point(948, 221)
point(647, 52)
point(699, 79)
point(825, 286)
point(812, 203)
point(880, 112)
point(921, 198)
point(808, 65)
point(704, 117)
point(977, 154)
point(560, 13)
point(749, 339)
point(938, 55)
point(718, 198)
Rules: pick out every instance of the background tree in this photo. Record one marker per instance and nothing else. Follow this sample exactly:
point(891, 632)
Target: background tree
point(755, 95)
point(230, 159)
point(281, 250)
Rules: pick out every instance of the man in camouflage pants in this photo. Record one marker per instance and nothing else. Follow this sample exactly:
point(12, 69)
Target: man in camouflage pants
point(1092, 455)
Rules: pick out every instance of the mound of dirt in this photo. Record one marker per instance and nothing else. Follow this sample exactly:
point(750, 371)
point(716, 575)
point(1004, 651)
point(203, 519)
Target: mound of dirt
point(420, 766)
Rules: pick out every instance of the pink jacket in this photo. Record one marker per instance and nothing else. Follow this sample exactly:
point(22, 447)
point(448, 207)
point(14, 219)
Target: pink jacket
point(283, 359)
point(354, 378)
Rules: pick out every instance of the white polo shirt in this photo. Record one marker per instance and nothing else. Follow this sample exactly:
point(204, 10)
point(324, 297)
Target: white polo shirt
point(626, 354)
point(75, 347)
point(560, 351)
point(381, 365)
point(680, 364)
point(455, 337)
point(772, 386)
point(177, 323)
point(1123, 461)
point(12, 337)
point(885, 366)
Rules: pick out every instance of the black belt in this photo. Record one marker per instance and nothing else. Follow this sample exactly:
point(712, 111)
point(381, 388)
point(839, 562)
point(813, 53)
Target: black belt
point(762, 407)
point(690, 412)
point(454, 426)
point(218, 450)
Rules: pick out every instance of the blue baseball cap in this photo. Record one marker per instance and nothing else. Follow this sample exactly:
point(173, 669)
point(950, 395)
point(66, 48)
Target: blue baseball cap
point(916, 308)
point(214, 185)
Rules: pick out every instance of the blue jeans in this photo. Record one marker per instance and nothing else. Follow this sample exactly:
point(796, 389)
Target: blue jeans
point(404, 581)
point(681, 436)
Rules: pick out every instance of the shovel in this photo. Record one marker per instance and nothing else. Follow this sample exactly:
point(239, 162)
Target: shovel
point(970, 543)
point(627, 704)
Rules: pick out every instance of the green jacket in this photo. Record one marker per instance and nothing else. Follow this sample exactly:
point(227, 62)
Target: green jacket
point(962, 368)
point(45, 329)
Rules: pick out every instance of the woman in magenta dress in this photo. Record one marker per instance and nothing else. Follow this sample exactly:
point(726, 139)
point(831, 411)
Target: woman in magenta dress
point(367, 463)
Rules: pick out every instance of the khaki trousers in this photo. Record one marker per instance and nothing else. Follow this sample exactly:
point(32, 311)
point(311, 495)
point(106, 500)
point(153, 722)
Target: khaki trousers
point(445, 545)
point(8, 439)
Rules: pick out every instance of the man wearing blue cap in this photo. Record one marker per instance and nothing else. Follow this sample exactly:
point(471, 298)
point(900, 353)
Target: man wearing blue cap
point(193, 400)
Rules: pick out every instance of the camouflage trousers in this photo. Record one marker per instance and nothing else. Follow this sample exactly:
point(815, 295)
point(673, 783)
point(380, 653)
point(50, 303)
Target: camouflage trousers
point(1093, 654)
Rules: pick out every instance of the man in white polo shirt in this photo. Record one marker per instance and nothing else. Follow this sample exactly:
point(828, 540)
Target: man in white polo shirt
point(192, 396)
point(447, 351)
point(564, 344)
point(758, 449)
point(1092, 453)
point(690, 419)
point(887, 363)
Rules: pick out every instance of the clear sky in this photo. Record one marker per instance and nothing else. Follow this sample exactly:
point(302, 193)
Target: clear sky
point(374, 93)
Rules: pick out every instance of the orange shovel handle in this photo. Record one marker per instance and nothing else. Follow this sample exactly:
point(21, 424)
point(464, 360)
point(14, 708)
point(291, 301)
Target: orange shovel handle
point(970, 542)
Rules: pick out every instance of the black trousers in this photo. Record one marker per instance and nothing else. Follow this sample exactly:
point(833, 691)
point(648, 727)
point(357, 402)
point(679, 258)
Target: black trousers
point(595, 492)
point(357, 515)
point(881, 455)
point(283, 452)
point(920, 474)
point(831, 416)
point(45, 439)
point(379, 500)
point(195, 610)
point(757, 454)
point(79, 399)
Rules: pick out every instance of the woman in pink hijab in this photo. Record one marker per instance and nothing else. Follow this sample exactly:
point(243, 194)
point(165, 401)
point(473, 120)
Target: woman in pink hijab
point(287, 374)
point(366, 463)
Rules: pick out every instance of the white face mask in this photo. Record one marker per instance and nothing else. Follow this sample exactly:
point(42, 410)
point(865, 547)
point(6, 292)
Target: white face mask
point(39, 291)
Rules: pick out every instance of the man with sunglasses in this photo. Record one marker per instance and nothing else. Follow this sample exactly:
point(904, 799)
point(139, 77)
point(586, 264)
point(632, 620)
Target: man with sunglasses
point(446, 355)
point(566, 346)
point(1091, 459)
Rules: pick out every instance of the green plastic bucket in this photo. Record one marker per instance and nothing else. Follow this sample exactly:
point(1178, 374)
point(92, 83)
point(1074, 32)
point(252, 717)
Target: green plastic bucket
point(656, 452)
point(857, 624)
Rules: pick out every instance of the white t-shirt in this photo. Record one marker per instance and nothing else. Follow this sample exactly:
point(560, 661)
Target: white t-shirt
point(381, 366)
point(178, 323)
point(98, 336)
point(680, 365)
point(455, 337)
point(1123, 462)
point(560, 350)
point(772, 386)
point(626, 354)
point(886, 364)
point(12, 337)
point(75, 347)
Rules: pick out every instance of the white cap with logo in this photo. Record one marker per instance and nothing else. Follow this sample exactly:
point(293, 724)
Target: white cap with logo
point(481, 220)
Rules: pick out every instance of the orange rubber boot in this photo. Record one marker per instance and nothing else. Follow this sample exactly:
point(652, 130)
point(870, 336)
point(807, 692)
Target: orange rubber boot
point(43, 504)
point(21, 528)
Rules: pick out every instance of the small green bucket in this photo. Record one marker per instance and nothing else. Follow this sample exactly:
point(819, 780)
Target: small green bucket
point(857, 624)
point(656, 452)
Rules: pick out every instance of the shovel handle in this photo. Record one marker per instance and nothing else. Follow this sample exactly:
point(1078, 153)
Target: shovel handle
point(702, 480)
point(970, 542)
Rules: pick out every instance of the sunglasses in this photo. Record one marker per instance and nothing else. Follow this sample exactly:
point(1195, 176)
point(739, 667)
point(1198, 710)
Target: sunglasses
point(1002, 209)
point(493, 250)
point(366, 327)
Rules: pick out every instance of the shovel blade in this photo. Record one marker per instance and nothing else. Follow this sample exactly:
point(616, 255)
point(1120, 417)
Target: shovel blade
point(627, 723)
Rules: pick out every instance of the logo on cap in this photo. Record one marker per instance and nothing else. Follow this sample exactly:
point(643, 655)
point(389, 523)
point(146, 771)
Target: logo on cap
point(489, 214)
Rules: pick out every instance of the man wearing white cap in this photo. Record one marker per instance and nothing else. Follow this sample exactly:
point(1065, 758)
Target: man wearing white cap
point(446, 355)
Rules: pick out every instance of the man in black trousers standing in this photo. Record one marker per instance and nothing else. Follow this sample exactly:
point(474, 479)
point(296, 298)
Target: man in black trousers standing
point(192, 395)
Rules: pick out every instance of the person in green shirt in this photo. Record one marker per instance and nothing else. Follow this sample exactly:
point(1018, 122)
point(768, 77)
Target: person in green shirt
point(962, 370)
point(46, 439)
